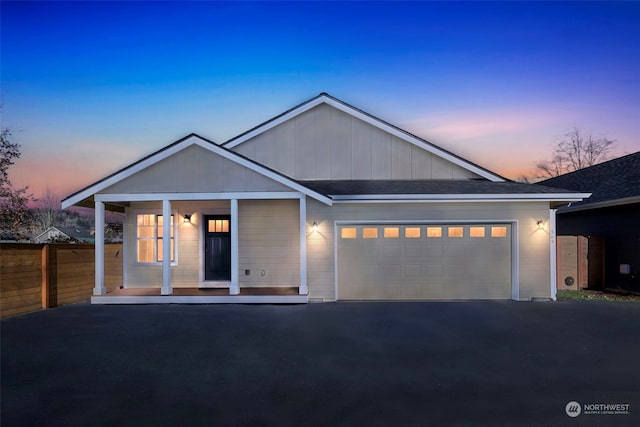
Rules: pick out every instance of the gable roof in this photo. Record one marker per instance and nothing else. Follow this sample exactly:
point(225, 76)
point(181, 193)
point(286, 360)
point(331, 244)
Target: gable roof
point(78, 233)
point(614, 182)
point(86, 194)
point(325, 98)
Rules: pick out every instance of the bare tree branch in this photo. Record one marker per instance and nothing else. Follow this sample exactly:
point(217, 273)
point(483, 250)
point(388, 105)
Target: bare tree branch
point(575, 151)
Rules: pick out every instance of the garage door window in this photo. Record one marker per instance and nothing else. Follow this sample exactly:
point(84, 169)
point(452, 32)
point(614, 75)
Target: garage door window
point(348, 233)
point(412, 232)
point(476, 231)
point(370, 232)
point(499, 231)
point(456, 232)
point(391, 232)
point(434, 232)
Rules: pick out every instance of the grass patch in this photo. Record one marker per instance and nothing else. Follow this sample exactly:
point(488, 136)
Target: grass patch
point(586, 295)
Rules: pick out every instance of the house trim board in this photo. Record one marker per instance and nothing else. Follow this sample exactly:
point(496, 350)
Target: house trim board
point(408, 198)
point(175, 197)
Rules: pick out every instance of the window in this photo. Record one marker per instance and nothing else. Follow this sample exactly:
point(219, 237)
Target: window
point(476, 231)
point(218, 226)
point(391, 232)
point(370, 232)
point(499, 231)
point(456, 232)
point(150, 241)
point(434, 231)
point(412, 232)
point(348, 233)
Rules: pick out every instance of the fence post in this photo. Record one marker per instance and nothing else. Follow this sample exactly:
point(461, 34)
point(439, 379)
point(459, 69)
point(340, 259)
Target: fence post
point(49, 276)
point(44, 266)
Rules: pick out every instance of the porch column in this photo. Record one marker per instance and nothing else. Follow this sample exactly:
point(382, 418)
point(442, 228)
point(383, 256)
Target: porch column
point(303, 290)
point(552, 253)
point(166, 248)
point(234, 287)
point(99, 288)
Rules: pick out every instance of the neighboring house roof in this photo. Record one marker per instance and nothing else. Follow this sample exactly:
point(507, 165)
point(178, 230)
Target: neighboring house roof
point(325, 98)
point(614, 182)
point(71, 232)
point(438, 189)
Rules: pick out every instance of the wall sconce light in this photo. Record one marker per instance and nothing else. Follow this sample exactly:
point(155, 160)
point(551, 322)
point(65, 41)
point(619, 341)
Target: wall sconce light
point(540, 224)
point(187, 218)
point(314, 226)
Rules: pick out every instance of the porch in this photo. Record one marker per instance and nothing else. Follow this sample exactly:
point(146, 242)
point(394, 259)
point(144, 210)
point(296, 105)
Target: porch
point(249, 295)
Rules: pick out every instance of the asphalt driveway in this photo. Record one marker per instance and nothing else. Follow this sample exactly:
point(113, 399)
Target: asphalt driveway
point(361, 364)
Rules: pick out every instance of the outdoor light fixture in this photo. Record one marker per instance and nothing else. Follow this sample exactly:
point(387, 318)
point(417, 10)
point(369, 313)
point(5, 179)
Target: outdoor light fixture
point(187, 218)
point(314, 226)
point(540, 224)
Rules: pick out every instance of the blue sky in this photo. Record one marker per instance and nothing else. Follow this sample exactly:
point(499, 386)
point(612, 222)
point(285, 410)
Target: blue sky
point(89, 87)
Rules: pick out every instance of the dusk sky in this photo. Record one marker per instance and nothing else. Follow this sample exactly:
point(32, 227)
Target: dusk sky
point(90, 87)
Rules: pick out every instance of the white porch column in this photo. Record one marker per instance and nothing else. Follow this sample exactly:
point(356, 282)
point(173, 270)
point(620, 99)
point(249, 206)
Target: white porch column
point(166, 248)
point(552, 253)
point(99, 288)
point(234, 287)
point(303, 290)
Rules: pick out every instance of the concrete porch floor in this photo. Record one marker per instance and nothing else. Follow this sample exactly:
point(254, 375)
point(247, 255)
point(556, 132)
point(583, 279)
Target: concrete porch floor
point(270, 295)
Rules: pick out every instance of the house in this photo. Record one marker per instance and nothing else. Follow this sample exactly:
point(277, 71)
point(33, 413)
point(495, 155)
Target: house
point(610, 218)
point(331, 202)
point(66, 234)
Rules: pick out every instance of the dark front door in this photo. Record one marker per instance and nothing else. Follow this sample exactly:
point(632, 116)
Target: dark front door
point(217, 247)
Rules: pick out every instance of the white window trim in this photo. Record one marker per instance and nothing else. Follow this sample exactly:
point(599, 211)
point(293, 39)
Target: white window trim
point(157, 212)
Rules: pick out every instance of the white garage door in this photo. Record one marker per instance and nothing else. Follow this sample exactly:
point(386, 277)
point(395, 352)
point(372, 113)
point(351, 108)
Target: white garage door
point(406, 262)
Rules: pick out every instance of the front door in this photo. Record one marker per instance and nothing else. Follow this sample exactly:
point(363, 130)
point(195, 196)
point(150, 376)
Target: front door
point(217, 247)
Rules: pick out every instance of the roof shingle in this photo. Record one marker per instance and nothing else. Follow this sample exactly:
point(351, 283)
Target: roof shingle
point(608, 181)
point(413, 187)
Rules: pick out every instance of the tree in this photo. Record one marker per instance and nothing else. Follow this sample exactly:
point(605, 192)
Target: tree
point(16, 219)
point(576, 151)
point(48, 212)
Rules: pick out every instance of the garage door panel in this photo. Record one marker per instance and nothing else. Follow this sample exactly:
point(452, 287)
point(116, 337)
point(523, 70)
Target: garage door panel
point(413, 250)
point(424, 262)
point(392, 251)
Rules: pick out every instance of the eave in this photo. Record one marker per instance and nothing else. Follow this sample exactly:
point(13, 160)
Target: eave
point(434, 198)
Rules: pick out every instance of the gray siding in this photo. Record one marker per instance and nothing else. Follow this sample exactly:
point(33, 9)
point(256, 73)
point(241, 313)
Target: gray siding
point(326, 143)
point(268, 240)
point(532, 252)
point(195, 170)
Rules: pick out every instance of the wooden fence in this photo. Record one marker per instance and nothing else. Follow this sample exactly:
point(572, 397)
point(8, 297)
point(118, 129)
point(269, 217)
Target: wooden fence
point(39, 276)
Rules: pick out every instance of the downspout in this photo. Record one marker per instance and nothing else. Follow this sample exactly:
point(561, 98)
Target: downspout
point(553, 254)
